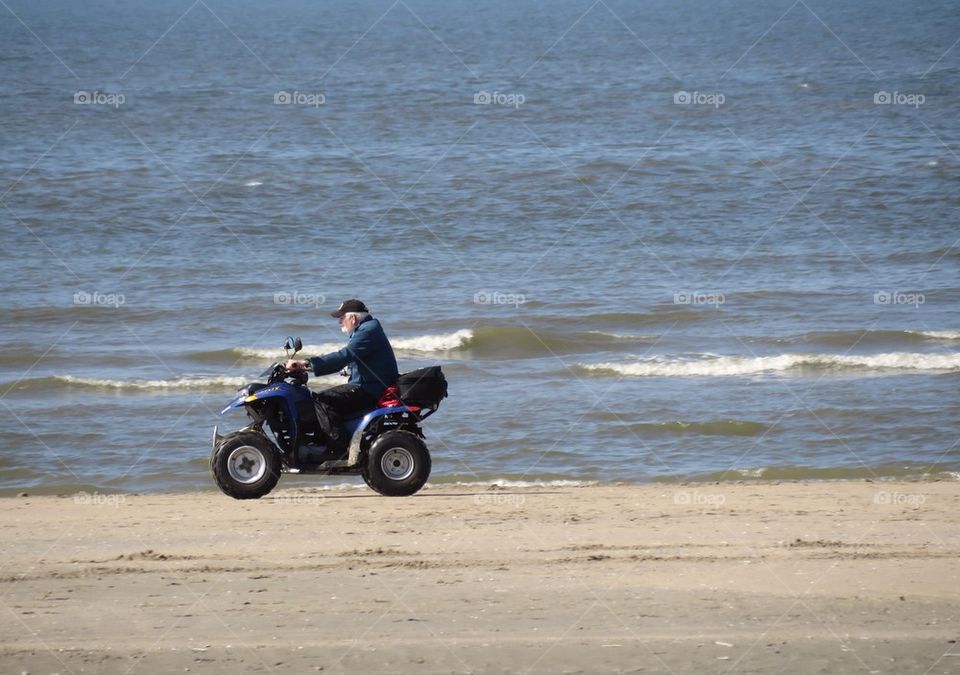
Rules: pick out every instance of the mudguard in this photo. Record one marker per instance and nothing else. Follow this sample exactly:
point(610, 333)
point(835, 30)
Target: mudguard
point(358, 425)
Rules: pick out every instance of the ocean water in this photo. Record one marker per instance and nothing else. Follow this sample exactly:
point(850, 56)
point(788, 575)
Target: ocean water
point(647, 241)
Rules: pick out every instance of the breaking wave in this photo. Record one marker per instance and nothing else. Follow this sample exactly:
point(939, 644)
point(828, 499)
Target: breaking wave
point(848, 338)
point(736, 365)
point(498, 341)
point(61, 381)
point(435, 342)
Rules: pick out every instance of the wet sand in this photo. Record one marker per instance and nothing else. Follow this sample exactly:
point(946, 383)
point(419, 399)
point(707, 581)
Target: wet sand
point(842, 576)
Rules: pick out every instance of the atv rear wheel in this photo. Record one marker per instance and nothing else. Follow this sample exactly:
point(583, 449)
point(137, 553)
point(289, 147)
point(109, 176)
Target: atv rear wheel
point(245, 465)
point(398, 464)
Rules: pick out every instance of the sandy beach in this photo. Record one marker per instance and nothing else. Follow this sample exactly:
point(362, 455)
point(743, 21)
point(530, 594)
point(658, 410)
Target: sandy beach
point(846, 576)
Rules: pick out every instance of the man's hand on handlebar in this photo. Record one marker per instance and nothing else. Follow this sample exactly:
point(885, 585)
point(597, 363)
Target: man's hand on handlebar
point(295, 366)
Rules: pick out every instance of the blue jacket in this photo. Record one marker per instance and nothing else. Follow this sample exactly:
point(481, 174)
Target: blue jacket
point(369, 355)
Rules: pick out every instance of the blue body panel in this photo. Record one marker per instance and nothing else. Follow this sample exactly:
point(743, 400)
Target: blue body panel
point(290, 393)
point(357, 423)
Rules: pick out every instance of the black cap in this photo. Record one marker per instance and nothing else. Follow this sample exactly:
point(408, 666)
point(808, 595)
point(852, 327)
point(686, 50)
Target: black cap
point(352, 305)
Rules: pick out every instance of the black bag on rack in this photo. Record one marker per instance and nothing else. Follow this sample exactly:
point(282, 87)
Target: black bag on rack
point(425, 387)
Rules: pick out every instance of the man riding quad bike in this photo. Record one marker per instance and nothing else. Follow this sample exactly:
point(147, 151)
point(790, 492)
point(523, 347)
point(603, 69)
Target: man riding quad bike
point(373, 368)
point(369, 426)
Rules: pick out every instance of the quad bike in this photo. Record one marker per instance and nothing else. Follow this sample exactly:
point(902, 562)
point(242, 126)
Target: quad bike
point(386, 443)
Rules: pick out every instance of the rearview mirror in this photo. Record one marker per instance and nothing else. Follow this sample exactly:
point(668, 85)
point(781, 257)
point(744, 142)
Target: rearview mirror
point(295, 344)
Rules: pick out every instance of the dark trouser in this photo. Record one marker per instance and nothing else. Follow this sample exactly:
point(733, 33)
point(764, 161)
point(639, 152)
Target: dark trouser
point(336, 404)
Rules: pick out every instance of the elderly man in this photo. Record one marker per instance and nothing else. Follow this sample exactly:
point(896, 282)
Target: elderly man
point(373, 368)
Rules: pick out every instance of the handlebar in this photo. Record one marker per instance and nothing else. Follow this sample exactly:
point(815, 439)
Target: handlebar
point(279, 374)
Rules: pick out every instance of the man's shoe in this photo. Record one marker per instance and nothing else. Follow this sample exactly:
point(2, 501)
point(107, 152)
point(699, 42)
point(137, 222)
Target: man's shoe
point(337, 447)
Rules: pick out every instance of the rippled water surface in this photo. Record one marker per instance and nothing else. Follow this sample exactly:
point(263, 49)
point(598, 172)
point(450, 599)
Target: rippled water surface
point(645, 240)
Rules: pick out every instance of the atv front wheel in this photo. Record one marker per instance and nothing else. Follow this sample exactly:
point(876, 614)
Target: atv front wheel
point(398, 464)
point(245, 465)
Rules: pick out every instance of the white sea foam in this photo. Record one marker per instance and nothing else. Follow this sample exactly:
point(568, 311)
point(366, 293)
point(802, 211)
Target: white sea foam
point(434, 342)
point(253, 183)
point(438, 342)
point(505, 483)
point(737, 365)
point(939, 334)
point(277, 353)
point(177, 383)
point(622, 336)
point(354, 485)
point(497, 482)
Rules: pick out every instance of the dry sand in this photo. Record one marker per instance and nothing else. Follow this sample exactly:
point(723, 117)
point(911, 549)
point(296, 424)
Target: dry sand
point(829, 577)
